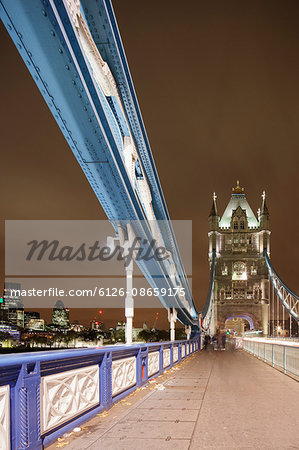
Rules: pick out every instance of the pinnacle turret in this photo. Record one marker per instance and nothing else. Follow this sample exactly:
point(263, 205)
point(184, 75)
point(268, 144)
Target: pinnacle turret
point(213, 212)
point(264, 209)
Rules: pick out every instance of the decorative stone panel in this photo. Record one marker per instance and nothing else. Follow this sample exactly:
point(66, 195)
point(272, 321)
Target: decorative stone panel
point(4, 418)
point(123, 374)
point(153, 363)
point(68, 394)
point(175, 354)
point(166, 357)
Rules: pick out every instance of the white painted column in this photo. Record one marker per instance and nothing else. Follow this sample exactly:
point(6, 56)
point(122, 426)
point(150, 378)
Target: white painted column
point(129, 304)
point(188, 331)
point(172, 317)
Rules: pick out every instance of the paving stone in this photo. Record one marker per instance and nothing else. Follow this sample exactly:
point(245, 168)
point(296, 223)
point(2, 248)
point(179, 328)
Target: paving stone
point(137, 444)
point(175, 415)
point(176, 394)
point(172, 404)
point(150, 429)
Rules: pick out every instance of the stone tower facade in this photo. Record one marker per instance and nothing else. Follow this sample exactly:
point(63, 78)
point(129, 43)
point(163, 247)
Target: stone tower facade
point(241, 294)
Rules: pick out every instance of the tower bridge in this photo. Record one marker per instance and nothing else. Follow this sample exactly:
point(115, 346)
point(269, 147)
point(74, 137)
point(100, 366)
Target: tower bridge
point(75, 55)
point(241, 274)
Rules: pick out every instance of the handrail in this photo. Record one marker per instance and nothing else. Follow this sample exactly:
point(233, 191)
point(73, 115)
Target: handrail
point(89, 380)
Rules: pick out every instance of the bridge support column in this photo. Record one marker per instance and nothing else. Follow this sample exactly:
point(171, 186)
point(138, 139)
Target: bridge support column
point(188, 331)
point(172, 317)
point(130, 244)
point(129, 304)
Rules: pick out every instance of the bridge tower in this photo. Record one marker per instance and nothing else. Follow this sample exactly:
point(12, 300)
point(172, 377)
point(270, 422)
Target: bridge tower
point(241, 294)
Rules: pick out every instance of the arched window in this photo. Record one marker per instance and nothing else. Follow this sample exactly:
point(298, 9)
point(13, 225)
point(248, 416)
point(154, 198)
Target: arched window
point(242, 225)
point(236, 225)
point(239, 271)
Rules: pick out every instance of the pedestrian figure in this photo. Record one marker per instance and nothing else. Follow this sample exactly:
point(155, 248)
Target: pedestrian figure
point(223, 339)
point(206, 341)
point(219, 341)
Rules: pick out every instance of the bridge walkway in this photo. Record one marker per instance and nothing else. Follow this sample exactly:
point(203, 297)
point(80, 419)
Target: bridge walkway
point(214, 400)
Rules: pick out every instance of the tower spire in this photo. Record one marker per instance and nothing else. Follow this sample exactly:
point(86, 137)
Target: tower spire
point(238, 189)
point(214, 212)
point(264, 209)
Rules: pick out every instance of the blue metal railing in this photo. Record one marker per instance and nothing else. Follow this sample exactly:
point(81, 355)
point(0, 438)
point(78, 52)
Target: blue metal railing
point(50, 393)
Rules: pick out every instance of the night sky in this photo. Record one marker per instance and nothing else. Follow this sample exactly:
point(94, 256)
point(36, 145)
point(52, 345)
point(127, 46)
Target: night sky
point(217, 84)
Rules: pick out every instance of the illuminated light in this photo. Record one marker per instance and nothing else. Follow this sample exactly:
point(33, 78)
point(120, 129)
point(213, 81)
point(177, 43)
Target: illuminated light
point(1, 300)
point(100, 311)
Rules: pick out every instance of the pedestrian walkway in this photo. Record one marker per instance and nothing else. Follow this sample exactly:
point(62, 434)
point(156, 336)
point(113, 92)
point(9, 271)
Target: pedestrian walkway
point(215, 400)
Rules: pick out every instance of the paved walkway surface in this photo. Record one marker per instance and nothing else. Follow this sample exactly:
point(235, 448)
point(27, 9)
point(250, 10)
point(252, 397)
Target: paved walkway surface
point(214, 400)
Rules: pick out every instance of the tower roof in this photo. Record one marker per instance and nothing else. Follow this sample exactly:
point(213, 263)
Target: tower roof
point(238, 199)
point(59, 305)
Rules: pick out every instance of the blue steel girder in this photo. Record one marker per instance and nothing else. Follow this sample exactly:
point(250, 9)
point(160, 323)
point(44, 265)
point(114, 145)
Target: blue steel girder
point(288, 298)
point(45, 37)
point(103, 27)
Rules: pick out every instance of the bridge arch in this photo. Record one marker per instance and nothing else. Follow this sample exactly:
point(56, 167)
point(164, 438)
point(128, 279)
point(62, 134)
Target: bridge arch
point(241, 316)
point(252, 322)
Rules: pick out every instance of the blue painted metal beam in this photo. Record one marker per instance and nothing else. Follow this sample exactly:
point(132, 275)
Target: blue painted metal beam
point(93, 123)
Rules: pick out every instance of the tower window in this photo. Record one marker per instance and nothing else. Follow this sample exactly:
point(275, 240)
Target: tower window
point(236, 226)
point(253, 270)
point(224, 270)
point(242, 225)
point(239, 271)
point(228, 294)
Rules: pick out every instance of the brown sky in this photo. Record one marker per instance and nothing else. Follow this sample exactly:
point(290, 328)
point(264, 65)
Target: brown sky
point(218, 87)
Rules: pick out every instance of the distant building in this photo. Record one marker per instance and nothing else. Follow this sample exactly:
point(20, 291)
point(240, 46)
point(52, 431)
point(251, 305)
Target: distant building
point(241, 295)
point(77, 327)
point(13, 332)
point(16, 317)
point(120, 326)
point(60, 315)
point(96, 325)
point(36, 325)
point(28, 315)
point(12, 295)
point(12, 308)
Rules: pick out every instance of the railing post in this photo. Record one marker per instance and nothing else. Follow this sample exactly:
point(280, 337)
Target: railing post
point(272, 355)
point(138, 368)
point(284, 359)
point(142, 363)
point(26, 409)
point(161, 359)
point(171, 355)
point(106, 380)
point(179, 352)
